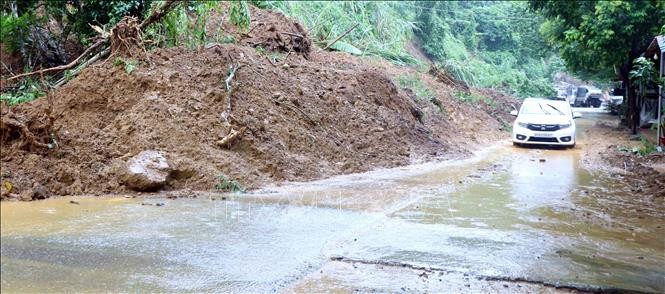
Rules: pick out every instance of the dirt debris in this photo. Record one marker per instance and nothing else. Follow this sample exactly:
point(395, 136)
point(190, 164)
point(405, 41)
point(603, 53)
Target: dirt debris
point(644, 174)
point(322, 114)
point(269, 30)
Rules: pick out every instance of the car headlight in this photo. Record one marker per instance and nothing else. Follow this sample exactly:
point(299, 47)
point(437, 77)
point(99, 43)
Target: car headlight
point(521, 124)
point(564, 126)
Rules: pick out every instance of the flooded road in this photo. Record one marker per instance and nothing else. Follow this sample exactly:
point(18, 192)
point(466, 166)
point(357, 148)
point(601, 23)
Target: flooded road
point(506, 220)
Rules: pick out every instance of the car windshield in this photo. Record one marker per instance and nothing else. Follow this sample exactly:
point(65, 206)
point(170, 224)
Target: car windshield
point(547, 108)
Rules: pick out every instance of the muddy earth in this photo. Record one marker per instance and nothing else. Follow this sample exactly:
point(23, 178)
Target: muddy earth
point(301, 115)
point(506, 219)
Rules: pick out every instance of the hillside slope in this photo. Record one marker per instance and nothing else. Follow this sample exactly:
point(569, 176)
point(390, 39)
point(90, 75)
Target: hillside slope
point(307, 116)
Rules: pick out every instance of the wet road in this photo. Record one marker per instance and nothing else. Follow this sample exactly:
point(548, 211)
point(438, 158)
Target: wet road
point(507, 220)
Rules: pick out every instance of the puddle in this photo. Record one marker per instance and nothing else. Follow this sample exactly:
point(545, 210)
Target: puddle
point(185, 245)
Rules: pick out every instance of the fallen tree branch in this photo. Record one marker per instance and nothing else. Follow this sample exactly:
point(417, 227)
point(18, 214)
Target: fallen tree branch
point(229, 91)
point(159, 13)
point(61, 67)
point(232, 73)
point(292, 35)
point(78, 70)
point(156, 15)
point(233, 134)
point(341, 36)
point(297, 110)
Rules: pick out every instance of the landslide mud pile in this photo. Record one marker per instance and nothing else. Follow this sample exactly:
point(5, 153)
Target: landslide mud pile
point(308, 116)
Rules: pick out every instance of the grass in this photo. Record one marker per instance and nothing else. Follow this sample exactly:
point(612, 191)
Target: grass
point(128, 64)
point(382, 29)
point(506, 127)
point(422, 92)
point(474, 99)
point(225, 184)
point(273, 56)
point(645, 149)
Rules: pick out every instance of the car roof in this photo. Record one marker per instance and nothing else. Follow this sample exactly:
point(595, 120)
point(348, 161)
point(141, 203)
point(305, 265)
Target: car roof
point(557, 102)
point(540, 100)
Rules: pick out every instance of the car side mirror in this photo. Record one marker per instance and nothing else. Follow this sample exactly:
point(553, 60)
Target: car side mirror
point(576, 115)
point(513, 113)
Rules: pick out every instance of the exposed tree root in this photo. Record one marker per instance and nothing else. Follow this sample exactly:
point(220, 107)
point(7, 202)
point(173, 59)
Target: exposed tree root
point(231, 137)
point(9, 124)
point(233, 134)
point(125, 40)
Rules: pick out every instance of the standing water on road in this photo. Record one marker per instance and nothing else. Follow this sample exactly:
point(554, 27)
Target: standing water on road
point(508, 214)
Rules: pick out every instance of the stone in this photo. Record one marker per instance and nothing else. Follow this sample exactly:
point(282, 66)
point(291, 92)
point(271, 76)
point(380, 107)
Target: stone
point(147, 171)
point(26, 195)
point(39, 191)
point(4, 192)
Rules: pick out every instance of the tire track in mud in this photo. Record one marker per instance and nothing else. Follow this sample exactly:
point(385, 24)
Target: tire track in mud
point(481, 161)
point(430, 269)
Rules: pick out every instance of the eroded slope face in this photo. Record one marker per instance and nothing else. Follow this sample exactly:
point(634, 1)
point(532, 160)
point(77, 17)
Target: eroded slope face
point(306, 115)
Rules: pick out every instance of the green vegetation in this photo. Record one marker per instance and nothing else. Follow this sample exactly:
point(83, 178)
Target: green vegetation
point(128, 64)
point(383, 29)
point(239, 14)
point(644, 72)
point(414, 83)
point(27, 90)
point(601, 39)
point(24, 24)
point(179, 28)
point(645, 149)
point(489, 44)
point(474, 99)
point(486, 44)
point(227, 185)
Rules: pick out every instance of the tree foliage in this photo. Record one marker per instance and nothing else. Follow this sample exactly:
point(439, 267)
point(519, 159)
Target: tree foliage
point(486, 44)
point(595, 37)
point(38, 30)
point(383, 28)
point(602, 38)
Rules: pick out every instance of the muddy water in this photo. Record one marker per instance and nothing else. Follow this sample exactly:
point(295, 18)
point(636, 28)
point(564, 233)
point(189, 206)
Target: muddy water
point(189, 245)
point(508, 213)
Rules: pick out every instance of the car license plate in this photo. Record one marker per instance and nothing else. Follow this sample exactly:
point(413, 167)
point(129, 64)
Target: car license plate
point(543, 135)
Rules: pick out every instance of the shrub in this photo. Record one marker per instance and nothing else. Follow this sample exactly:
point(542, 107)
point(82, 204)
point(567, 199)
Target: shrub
point(227, 185)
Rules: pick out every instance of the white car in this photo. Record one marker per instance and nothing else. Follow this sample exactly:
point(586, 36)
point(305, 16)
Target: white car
point(544, 122)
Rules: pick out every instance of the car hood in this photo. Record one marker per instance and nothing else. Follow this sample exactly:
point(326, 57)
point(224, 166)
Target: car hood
point(544, 119)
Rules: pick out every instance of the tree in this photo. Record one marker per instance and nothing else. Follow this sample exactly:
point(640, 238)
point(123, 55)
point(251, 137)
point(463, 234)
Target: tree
point(38, 29)
point(602, 38)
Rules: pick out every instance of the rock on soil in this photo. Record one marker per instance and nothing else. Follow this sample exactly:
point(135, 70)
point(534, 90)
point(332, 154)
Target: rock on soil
point(147, 171)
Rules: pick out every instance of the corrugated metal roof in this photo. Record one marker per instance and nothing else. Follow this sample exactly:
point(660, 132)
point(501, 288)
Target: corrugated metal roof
point(657, 44)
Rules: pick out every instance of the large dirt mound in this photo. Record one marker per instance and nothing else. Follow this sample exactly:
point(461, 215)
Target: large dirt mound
point(307, 116)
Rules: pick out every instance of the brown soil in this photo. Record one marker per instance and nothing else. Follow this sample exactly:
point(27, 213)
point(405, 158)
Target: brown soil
point(308, 116)
point(11, 63)
point(269, 30)
point(645, 174)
